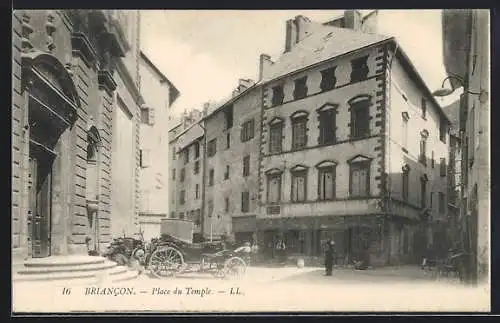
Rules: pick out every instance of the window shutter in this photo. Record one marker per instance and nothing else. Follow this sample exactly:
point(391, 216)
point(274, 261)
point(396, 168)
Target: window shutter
point(151, 116)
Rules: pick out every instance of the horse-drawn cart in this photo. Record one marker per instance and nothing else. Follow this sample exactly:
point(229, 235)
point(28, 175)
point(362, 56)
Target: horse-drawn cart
point(175, 253)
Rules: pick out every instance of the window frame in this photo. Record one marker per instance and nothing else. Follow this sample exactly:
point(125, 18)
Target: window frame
point(299, 171)
point(246, 166)
point(328, 79)
point(323, 168)
point(211, 177)
point(299, 118)
point(300, 88)
point(277, 90)
point(359, 72)
point(358, 163)
point(332, 109)
point(423, 191)
point(360, 103)
point(270, 175)
point(276, 125)
point(245, 202)
point(405, 185)
point(212, 148)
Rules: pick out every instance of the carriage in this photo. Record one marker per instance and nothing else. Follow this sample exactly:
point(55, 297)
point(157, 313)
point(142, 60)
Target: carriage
point(175, 253)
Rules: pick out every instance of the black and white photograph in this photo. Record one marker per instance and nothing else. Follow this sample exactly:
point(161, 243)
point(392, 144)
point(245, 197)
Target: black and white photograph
point(250, 161)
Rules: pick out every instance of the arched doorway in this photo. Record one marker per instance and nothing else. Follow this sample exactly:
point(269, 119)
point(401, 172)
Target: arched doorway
point(51, 104)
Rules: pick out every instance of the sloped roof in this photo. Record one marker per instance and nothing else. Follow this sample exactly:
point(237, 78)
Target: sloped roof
point(323, 43)
point(189, 136)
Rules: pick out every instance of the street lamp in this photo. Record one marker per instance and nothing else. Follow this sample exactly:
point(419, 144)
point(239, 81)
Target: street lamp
point(483, 95)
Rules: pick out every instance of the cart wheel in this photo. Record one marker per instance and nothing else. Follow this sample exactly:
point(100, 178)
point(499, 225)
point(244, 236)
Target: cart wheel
point(218, 271)
point(234, 267)
point(166, 262)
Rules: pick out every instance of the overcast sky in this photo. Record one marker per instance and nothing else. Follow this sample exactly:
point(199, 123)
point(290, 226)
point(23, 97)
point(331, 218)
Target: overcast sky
point(205, 52)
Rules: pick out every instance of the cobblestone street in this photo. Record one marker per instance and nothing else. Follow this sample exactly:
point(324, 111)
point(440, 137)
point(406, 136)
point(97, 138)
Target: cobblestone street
point(262, 289)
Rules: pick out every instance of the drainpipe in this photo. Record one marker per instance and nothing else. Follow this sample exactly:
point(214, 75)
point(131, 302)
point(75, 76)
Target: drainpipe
point(203, 170)
point(388, 205)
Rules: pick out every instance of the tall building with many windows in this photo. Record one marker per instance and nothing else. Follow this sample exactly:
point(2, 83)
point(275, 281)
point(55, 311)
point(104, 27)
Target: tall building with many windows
point(159, 94)
point(339, 139)
point(352, 146)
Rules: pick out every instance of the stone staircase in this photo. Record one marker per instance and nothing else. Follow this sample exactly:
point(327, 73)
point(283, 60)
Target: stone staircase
point(76, 269)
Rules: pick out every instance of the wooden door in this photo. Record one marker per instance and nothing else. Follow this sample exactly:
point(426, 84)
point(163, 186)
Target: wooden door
point(40, 206)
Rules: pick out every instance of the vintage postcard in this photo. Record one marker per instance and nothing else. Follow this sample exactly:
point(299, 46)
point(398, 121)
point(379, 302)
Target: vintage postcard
point(175, 161)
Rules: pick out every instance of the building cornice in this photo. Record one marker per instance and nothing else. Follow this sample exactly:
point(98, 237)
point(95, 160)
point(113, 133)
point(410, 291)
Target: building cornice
point(128, 80)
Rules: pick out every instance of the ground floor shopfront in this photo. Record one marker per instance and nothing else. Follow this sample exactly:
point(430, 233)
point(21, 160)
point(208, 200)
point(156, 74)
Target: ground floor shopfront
point(380, 239)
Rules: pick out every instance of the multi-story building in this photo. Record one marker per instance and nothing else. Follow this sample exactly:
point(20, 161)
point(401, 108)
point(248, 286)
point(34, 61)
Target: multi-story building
point(454, 173)
point(186, 161)
point(353, 146)
point(231, 164)
point(126, 122)
point(466, 59)
point(159, 94)
point(66, 66)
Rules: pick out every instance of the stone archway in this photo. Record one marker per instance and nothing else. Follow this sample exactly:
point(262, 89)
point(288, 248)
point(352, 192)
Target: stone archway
point(51, 103)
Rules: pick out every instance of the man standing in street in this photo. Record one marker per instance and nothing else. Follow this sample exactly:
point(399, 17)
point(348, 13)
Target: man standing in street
point(329, 256)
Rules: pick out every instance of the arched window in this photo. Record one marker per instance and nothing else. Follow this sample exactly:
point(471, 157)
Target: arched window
point(327, 115)
point(360, 116)
point(299, 129)
point(274, 185)
point(299, 183)
point(275, 135)
point(359, 179)
point(326, 180)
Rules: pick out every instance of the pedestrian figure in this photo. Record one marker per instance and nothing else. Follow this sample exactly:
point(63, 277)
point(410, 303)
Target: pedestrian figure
point(329, 255)
point(281, 250)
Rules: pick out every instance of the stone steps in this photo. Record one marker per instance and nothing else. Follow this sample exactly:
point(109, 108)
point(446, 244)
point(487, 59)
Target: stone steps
point(76, 269)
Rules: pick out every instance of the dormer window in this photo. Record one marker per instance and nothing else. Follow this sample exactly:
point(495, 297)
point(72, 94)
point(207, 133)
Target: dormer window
point(360, 116)
point(359, 69)
point(328, 79)
point(300, 91)
point(278, 95)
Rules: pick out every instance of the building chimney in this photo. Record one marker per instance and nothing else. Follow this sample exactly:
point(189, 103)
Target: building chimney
point(369, 23)
point(206, 105)
point(291, 35)
point(352, 20)
point(264, 62)
point(302, 25)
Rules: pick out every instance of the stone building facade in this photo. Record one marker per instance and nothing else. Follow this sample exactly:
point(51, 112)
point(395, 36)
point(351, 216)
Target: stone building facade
point(335, 163)
point(466, 58)
point(231, 167)
point(64, 82)
point(186, 162)
point(159, 94)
